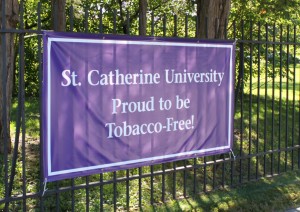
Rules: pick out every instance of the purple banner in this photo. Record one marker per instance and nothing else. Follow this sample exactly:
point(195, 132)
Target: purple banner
point(119, 102)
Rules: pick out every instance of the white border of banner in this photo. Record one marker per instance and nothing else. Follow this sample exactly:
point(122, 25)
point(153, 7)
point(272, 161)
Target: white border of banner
point(127, 42)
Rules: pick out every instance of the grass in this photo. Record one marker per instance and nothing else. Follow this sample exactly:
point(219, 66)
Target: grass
point(262, 123)
point(289, 86)
point(31, 116)
point(269, 194)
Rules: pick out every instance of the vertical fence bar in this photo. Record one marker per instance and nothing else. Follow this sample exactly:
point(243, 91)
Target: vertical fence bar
point(266, 99)
point(258, 99)
point(273, 101)
point(239, 75)
point(163, 179)
point(86, 19)
point(101, 192)
point(57, 194)
point(71, 18)
point(294, 95)
point(287, 98)
point(223, 171)
point(231, 172)
point(242, 69)
point(280, 99)
point(17, 136)
point(152, 23)
point(250, 102)
point(184, 179)
point(127, 190)
point(164, 25)
point(40, 68)
point(299, 128)
point(232, 161)
point(22, 86)
point(100, 21)
point(4, 103)
point(175, 25)
point(72, 194)
point(55, 12)
point(151, 185)
point(115, 22)
point(140, 187)
point(186, 26)
point(234, 29)
point(197, 26)
point(204, 174)
point(128, 22)
point(195, 176)
point(214, 173)
point(115, 190)
point(87, 194)
point(174, 180)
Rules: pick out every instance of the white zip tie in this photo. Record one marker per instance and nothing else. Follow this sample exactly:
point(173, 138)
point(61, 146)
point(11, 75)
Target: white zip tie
point(32, 35)
point(45, 187)
point(231, 152)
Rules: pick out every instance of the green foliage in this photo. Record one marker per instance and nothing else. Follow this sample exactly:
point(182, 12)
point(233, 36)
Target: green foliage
point(266, 11)
point(32, 67)
point(174, 18)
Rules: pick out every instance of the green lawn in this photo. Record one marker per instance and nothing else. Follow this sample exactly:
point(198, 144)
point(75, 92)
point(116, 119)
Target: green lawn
point(278, 82)
point(268, 194)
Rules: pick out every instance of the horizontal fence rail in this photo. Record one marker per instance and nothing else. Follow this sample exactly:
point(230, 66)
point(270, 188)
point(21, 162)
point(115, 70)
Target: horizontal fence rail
point(266, 121)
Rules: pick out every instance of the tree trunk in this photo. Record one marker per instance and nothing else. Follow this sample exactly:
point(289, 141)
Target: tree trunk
point(7, 53)
point(143, 17)
point(58, 15)
point(212, 18)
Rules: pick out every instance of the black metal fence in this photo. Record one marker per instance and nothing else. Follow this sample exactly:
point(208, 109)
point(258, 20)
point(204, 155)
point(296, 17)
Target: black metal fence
point(266, 128)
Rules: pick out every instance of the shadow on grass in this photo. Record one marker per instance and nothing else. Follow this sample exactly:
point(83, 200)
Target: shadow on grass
point(269, 194)
point(268, 125)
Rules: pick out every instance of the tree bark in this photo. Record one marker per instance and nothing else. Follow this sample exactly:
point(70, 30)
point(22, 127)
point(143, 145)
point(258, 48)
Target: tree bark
point(7, 53)
point(143, 17)
point(58, 15)
point(212, 18)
